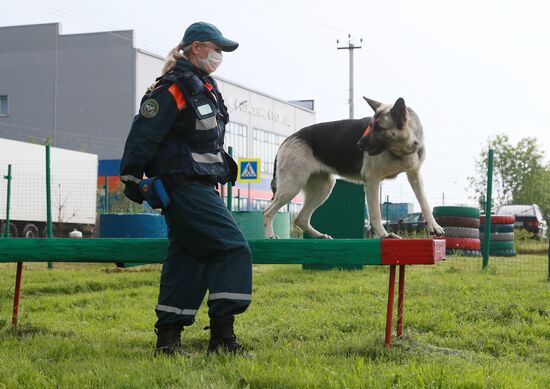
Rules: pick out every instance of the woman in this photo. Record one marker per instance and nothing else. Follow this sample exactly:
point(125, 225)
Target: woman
point(178, 136)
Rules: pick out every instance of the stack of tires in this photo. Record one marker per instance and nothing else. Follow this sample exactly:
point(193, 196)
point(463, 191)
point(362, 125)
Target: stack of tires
point(461, 226)
point(502, 235)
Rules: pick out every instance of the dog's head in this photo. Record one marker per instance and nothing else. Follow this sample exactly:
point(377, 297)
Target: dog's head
point(389, 129)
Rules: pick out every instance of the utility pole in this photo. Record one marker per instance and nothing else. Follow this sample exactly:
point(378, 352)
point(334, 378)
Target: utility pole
point(350, 47)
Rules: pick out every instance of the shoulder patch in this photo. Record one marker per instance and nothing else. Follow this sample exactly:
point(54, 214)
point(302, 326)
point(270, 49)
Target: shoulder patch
point(149, 108)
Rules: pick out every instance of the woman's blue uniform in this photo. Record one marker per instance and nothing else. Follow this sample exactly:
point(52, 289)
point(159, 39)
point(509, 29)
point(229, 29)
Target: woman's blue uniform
point(178, 135)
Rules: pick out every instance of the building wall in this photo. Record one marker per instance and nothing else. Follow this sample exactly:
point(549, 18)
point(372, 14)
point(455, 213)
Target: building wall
point(95, 92)
point(27, 58)
point(148, 68)
point(262, 112)
point(267, 121)
point(81, 91)
point(75, 90)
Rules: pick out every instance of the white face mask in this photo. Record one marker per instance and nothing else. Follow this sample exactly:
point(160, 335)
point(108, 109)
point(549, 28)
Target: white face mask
point(211, 62)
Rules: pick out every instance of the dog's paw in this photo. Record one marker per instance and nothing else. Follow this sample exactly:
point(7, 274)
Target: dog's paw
point(313, 233)
point(391, 235)
point(272, 237)
point(436, 230)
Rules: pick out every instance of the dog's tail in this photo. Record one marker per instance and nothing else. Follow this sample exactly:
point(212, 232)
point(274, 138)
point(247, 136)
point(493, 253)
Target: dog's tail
point(274, 180)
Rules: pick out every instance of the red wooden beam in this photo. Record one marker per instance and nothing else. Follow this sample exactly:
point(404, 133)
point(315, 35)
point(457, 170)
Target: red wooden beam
point(412, 251)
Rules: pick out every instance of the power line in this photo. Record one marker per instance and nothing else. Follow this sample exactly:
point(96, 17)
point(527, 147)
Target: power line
point(63, 13)
point(404, 80)
point(311, 20)
point(102, 14)
point(261, 73)
point(304, 17)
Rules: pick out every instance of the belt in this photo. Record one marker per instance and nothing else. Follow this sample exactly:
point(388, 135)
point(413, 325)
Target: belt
point(173, 180)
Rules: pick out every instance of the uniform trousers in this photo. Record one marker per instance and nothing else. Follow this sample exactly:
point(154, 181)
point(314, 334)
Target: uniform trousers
point(207, 251)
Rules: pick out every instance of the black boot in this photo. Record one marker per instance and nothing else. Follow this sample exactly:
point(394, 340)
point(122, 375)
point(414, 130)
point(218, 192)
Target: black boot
point(168, 339)
point(223, 339)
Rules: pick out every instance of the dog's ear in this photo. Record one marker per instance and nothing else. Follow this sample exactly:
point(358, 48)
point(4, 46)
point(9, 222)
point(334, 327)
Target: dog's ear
point(373, 103)
point(399, 112)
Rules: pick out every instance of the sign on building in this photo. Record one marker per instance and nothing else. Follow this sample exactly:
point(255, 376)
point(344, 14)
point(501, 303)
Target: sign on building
point(249, 170)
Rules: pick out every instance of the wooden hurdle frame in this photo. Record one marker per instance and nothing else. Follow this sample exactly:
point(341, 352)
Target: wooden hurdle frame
point(391, 252)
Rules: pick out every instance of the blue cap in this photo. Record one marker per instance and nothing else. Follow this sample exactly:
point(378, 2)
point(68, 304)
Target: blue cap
point(203, 32)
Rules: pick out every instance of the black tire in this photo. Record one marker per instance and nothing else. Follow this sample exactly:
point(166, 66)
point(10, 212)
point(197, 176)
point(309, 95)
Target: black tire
point(457, 221)
point(30, 231)
point(503, 253)
point(501, 245)
point(456, 211)
point(462, 243)
point(54, 231)
point(498, 236)
point(466, 253)
point(498, 228)
point(14, 232)
point(499, 219)
point(461, 232)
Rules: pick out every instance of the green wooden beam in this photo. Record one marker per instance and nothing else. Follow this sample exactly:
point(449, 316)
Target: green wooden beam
point(264, 251)
point(321, 251)
point(83, 250)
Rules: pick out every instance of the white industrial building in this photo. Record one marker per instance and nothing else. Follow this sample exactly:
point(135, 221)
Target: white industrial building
point(81, 91)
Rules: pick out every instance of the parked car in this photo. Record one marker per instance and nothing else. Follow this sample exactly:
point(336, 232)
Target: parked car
point(412, 222)
point(528, 217)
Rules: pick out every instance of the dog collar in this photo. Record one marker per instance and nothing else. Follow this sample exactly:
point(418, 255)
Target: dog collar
point(367, 130)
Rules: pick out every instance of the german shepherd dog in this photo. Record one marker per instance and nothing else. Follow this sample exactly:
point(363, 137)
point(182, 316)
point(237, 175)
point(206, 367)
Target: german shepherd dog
point(365, 151)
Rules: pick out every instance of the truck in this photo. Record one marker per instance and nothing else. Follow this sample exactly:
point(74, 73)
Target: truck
point(73, 193)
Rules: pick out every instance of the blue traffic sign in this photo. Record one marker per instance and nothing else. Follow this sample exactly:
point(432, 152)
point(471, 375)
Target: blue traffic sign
point(249, 170)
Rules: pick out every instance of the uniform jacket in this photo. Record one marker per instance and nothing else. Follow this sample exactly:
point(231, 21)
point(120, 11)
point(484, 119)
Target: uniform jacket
point(180, 129)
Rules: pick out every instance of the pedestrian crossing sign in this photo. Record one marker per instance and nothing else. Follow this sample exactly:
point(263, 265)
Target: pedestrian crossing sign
point(249, 170)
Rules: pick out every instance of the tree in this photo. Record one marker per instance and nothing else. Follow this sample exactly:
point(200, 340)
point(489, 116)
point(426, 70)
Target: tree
point(520, 174)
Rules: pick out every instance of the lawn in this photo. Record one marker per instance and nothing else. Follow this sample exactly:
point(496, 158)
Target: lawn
point(91, 326)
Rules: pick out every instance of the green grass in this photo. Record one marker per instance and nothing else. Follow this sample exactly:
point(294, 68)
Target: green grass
point(91, 326)
point(531, 246)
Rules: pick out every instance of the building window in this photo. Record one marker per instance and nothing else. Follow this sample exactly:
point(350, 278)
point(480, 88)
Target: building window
point(236, 136)
point(3, 105)
point(265, 145)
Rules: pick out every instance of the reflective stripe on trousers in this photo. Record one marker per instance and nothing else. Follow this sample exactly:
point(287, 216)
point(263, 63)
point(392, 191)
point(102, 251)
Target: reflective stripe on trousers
point(177, 311)
point(230, 296)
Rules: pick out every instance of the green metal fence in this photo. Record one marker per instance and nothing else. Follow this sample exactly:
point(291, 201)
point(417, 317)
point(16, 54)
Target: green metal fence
point(443, 182)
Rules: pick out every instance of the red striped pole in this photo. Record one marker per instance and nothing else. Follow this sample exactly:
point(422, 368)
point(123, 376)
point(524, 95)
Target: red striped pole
point(17, 294)
point(389, 313)
point(400, 300)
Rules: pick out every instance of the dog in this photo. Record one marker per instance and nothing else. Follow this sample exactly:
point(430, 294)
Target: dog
point(364, 151)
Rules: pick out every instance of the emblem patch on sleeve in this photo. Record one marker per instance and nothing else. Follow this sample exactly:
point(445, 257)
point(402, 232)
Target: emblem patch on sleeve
point(149, 108)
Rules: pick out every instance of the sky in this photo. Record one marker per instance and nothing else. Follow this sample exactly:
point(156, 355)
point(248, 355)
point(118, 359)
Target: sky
point(469, 69)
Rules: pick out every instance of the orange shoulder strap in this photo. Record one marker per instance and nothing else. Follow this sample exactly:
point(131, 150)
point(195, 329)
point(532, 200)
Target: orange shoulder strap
point(178, 96)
